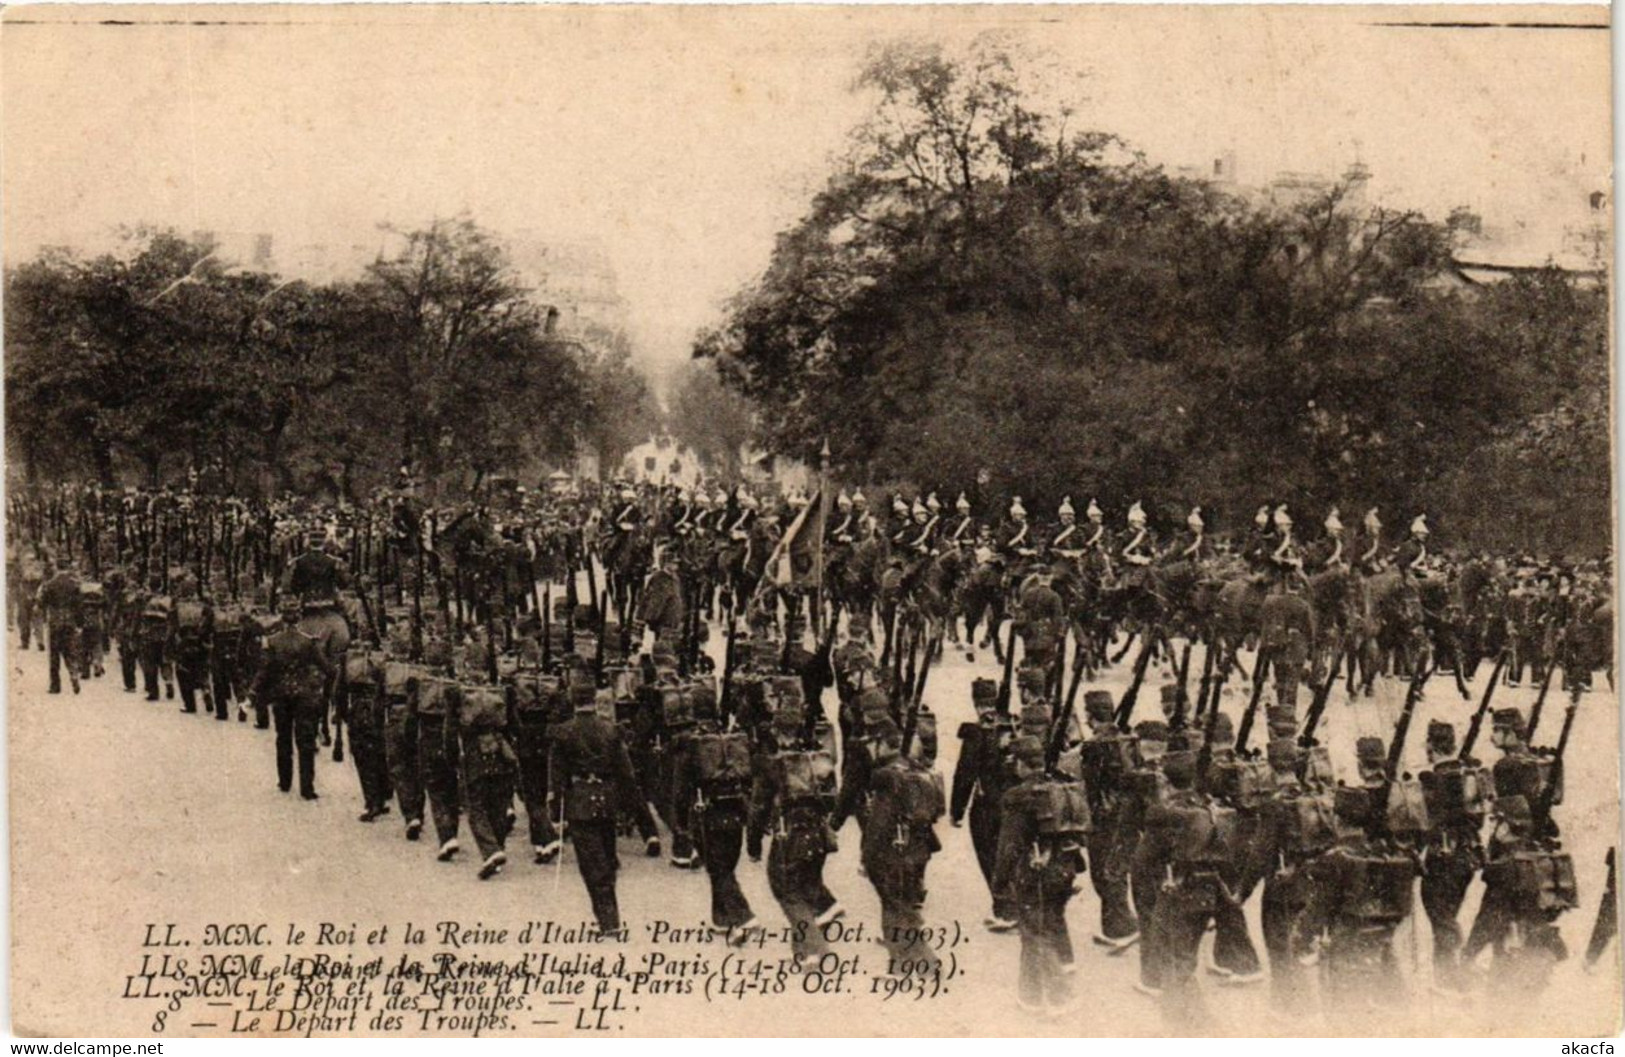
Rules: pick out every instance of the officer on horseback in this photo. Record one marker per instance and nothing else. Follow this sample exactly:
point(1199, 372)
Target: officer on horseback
point(1410, 557)
point(1069, 542)
point(1326, 554)
point(1192, 545)
point(962, 531)
point(1142, 544)
point(1370, 561)
point(1285, 560)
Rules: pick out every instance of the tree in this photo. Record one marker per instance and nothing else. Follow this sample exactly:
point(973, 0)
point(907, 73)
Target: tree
point(466, 358)
point(438, 357)
point(712, 420)
point(619, 408)
point(977, 287)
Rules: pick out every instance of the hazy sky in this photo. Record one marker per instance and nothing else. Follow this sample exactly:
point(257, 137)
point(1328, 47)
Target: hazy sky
point(682, 140)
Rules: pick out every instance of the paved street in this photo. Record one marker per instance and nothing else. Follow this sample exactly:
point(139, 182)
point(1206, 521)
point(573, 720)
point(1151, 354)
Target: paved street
point(151, 815)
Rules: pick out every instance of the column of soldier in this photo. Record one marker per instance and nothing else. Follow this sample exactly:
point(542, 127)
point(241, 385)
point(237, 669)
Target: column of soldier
point(468, 682)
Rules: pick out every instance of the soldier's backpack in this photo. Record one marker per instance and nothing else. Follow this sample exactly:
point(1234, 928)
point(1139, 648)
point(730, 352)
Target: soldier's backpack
point(1307, 823)
point(1062, 809)
point(1544, 881)
point(1382, 887)
point(1457, 795)
point(483, 708)
point(676, 705)
point(360, 669)
point(158, 609)
point(1317, 766)
point(1407, 809)
point(805, 775)
point(784, 692)
point(1245, 782)
point(396, 676)
point(723, 764)
point(1146, 786)
point(1530, 775)
point(924, 746)
point(921, 795)
point(1205, 836)
point(1106, 760)
point(432, 695)
point(535, 695)
point(189, 617)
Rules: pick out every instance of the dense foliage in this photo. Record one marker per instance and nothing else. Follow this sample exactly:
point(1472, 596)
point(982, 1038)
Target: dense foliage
point(144, 365)
point(980, 288)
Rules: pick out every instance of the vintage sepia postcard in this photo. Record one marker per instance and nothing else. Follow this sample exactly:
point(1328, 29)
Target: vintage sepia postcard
point(596, 521)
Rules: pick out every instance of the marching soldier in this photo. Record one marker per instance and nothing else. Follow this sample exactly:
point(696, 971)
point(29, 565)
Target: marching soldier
point(711, 787)
point(1188, 847)
point(899, 839)
point(479, 720)
point(1528, 884)
point(538, 698)
point(126, 627)
point(1037, 863)
point(591, 775)
point(791, 796)
point(1108, 756)
point(400, 732)
point(62, 606)
point(982, 775)
point(1457, 801)
point(1361, 893)
point(429, 705)
point(1299, 828)
point(194, 634)
point(225, 654)
point(31, 574)
point(360, 705)
point(291, 679)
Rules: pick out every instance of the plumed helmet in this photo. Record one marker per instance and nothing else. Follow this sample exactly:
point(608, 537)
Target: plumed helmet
point(962, 504)
point(1419, 527)
point(1066, 507)
point(1194, 519)
point(1094, 511)
point(1262, 518)
point(1334, 524)
point(858, 498)
point(1136, 514)
point(1016, 509)
point(843, 500)
point(1283, 520)
point(1373, 524)
point(931, 503)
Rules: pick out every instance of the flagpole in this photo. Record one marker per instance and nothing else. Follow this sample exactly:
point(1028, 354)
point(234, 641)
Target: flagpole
point(818, 544)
